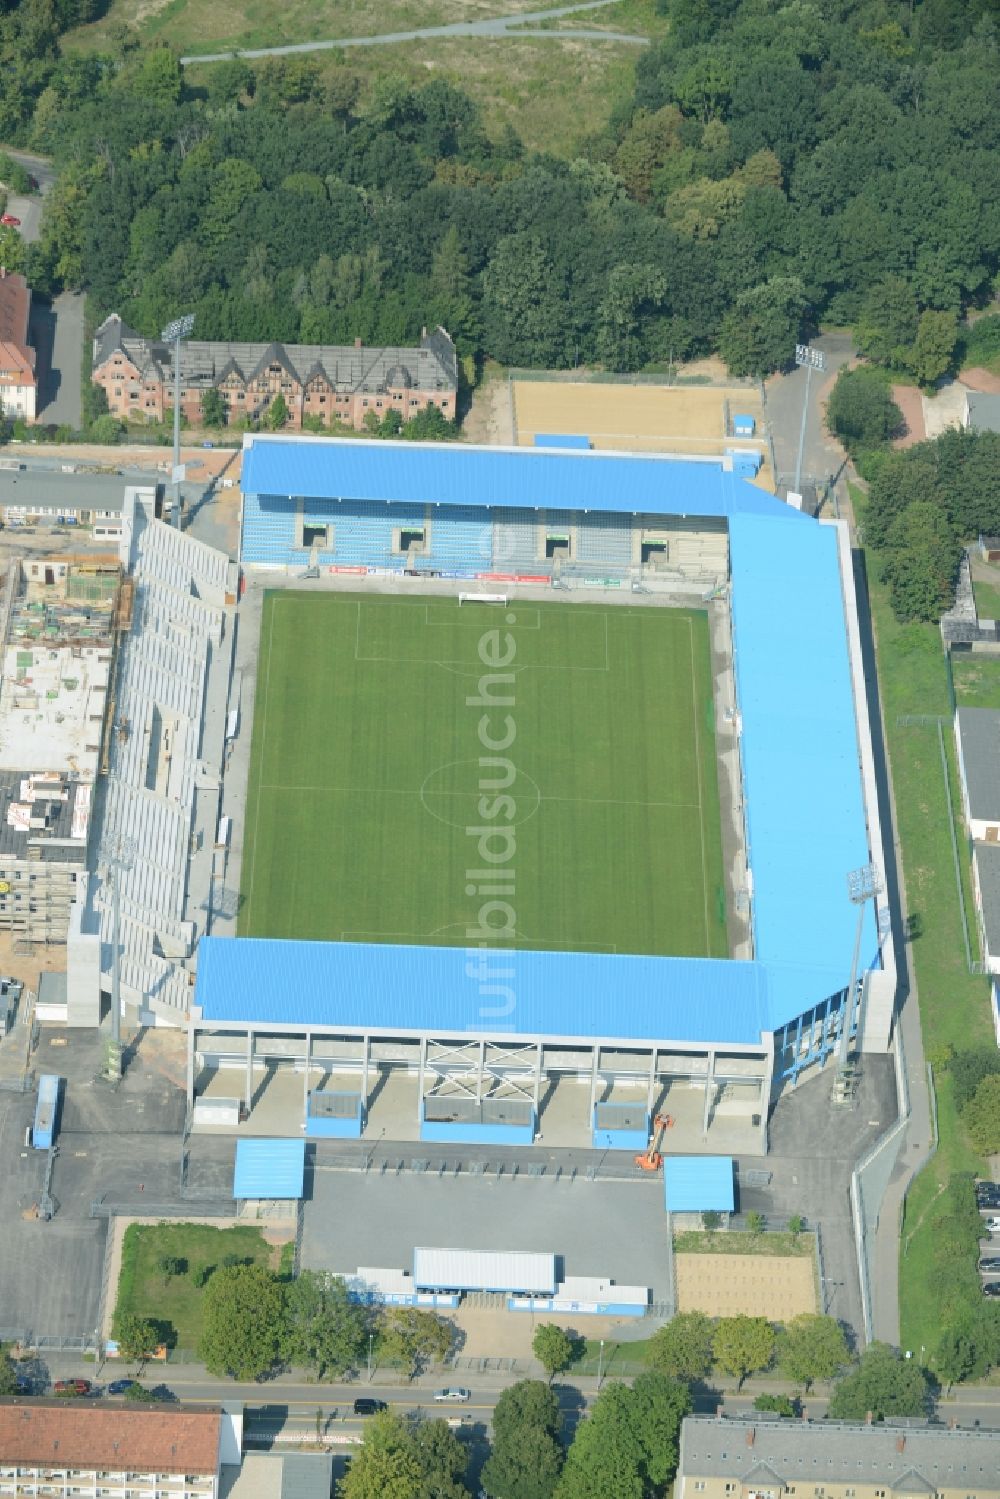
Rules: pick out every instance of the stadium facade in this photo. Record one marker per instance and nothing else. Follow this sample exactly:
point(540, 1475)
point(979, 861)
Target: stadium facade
point(484, 1030)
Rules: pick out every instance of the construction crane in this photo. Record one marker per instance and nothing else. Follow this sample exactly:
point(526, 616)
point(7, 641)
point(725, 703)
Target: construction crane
point(653, 1158)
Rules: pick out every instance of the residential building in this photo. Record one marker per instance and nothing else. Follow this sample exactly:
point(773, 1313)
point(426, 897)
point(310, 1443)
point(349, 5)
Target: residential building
point(56, 660)
point(34, 496)
point(325, 381)
point(986, 884)
point(982, 411)
point(756, 1458)
point(977, 734)
point(18, 377)
point(62, 1448)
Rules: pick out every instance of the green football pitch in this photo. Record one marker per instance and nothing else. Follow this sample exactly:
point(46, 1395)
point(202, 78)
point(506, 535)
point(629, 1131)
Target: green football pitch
point(403, 747)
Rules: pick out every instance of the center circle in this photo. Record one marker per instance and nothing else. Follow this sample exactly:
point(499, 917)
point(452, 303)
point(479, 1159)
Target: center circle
point(451, 793)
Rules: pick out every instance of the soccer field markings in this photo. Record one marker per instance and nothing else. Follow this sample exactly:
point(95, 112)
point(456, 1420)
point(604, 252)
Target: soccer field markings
point(583, 801)
point(260, 783)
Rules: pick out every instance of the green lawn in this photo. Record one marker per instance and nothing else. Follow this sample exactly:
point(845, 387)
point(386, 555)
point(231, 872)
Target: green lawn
point(174, 1304)
point(954, 1005)
point(987, 599)
point(977, 680)
point(554, 92)
point(372, 797)
point(737, 1242)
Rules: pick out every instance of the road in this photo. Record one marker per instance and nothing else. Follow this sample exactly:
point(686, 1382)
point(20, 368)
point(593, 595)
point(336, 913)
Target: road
point(288, 1404)
point(785, 394)
point(56, 331)
point(29, 209)
point(517, 25)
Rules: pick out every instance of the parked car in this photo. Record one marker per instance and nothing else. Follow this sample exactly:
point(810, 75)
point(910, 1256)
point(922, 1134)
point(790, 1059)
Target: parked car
point(988, 1199)
point(72, 1387)
point(367, 1407)
point(453, 1393)
point(24, 1384)
point(991, 1288)
point(991, 1264)
point(992, 1225)
point(8, 218)
point(121, 1386)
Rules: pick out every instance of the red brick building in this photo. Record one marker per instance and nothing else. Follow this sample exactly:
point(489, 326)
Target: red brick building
point(18, 379)
point(136, 374)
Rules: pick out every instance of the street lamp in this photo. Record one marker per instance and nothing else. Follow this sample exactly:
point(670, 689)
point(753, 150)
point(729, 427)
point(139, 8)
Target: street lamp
point(371, 1340)
point(600, 1365)
point(863, 885)
point(173, 333)
point(809, 359)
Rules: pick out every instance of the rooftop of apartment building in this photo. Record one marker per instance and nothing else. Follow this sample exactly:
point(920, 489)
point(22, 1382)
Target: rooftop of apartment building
point(58, 616)
point(781, 1453)
point(153, 1439)
point(433, 365)
point(39, 490)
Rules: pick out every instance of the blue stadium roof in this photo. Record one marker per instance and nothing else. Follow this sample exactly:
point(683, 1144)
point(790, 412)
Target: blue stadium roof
point(269, 1169)
point(802, 783)
point(381, 987)
point(698, 1183)
point(536, 478)
point(799, 744)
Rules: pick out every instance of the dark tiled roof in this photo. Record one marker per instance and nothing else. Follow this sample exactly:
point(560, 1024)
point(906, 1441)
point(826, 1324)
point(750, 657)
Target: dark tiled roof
point(916, 1460)
point(433, 366)
point(62, 1433)
point(979, 742)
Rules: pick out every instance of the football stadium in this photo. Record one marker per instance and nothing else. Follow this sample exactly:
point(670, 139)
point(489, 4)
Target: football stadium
point(561, 770)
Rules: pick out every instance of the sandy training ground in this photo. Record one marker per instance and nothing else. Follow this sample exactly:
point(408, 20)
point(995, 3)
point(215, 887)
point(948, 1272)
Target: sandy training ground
point(638, 418)
point(723, 1285)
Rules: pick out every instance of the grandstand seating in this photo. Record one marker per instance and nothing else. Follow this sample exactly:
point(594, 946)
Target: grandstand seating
point(467, 539)
point(175, 650)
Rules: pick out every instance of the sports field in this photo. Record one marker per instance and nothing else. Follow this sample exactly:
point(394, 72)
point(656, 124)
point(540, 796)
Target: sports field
point(399, 744)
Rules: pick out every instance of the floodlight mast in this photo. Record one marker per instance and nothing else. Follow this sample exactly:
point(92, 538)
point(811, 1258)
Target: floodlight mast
point(810, 359)
point(173, 333)
point(863, 885)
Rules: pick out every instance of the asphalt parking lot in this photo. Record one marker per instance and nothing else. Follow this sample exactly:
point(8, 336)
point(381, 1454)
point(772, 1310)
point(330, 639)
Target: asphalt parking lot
point(116, 1148)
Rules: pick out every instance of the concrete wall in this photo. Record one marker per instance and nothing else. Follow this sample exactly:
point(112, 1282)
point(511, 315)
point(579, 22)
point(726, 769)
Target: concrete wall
point(463, 1132)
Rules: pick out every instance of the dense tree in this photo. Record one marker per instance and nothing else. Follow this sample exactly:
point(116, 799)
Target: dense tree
point(386, 1465)
point(760, 333)
point(861, 411)
point(8, 1373)
point(443, 1461)
point(682, 1347)
point(243, 1321)
point(327, 1332)
point(553, 1347)
point(526, 1457)
point(658, 1406)
point(605, 1460)
point(967, 1069)
point(414, 1338)
point(884, 1384)
point(812, 1347)
point(743, 1345)
point(981, 1116)
point(920, 562)
point(213, 408)
point(136, 1337)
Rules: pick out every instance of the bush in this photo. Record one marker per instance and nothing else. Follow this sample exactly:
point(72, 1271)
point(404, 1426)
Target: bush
point(781, 1405)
